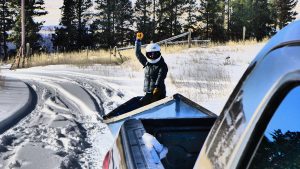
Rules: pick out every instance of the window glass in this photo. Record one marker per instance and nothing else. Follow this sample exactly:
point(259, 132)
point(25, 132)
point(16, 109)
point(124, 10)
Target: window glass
point(280, 145)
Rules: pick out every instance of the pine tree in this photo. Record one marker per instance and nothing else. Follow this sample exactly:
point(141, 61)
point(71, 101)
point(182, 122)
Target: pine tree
point(177, 12)
point(66, 33)
point(254, 15)
point(143, 12)
point(5, 26)
point(285, 11)
point(103, 25)
point(154, 23)
point(168, 13)
point(82, 16)
point(160, 26)
point(124, 22)
point(227, 17)
point(212, 15)
point(33, 9)
point(114, 23)
point(261, 19)
point(190, 8)
point(73, 31)
point(280, 150)
point(273, 17)
point(242, 15)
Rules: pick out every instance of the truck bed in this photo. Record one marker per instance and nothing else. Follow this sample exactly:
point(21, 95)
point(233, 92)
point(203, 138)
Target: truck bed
point(183, 138)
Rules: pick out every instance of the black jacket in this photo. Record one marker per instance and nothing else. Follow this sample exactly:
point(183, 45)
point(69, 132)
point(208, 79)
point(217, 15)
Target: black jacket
point(155, 74)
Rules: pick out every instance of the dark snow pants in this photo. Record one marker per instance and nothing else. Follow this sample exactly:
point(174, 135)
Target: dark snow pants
point(150, 98)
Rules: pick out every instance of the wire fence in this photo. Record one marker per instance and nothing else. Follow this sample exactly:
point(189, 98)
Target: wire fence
point(165, 42)
point(160, 42)
point(90, 56)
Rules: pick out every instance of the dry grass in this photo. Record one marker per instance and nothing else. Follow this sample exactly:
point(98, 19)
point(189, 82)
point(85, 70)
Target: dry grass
point(82, 58)
point(238, 43)
point(169, 49)
point(134, 64)
point(87, 58)
point(200, 78)
point(208, 74)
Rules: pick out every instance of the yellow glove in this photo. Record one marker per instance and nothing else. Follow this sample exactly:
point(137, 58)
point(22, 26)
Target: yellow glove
point(155, 91)
point(139, 36)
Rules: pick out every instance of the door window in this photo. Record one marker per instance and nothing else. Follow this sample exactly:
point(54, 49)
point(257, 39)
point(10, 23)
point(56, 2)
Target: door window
point(280, 145)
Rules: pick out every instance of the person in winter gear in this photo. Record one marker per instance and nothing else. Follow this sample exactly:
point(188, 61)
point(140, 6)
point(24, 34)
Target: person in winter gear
point(155, 70)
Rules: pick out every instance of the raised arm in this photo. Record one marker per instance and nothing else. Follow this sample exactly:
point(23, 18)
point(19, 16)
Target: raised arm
point(138, 53)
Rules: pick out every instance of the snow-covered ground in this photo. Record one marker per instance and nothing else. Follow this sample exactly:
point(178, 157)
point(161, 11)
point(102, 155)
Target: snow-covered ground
point(65, 129)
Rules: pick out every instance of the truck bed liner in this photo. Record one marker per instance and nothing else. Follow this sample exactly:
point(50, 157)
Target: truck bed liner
point(138, 156)
point(183, 137)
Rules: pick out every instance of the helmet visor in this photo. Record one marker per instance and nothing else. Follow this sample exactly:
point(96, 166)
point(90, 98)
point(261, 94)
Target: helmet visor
point(153, 55)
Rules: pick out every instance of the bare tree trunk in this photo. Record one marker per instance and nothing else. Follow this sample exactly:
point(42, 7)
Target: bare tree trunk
point(79, 17)
point(175, 18)
point(153, 22)
point(108, 27)
point(23, 31)
point(3, 29)
point(207, 20)
point(228, 16)
point(113, 22)
point(145, 15)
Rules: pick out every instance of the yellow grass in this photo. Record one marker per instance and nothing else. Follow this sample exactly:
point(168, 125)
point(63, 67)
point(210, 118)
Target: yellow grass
point(238, 43)
point(76, 58)
point(86, 58)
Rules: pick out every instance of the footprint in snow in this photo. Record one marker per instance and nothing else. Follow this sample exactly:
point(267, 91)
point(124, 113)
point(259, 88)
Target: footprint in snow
point(15, 164)
point(7, 140)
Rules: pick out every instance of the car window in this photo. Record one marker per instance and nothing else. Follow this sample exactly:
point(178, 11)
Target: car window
point(280, 145)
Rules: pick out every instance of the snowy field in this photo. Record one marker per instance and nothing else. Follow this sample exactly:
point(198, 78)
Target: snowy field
point(65, 130)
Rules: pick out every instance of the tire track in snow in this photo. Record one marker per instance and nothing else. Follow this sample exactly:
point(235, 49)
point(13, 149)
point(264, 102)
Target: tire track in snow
point(27, 110)
point(62, 127)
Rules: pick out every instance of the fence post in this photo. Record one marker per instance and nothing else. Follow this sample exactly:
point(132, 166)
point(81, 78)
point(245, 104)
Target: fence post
point(87, 53)
point(27, 49)
point(109, 51)
point(244, 33)
point(165, 46)
point(190, 38)
point(27, 54)
point(115, 51)
point(57, 59)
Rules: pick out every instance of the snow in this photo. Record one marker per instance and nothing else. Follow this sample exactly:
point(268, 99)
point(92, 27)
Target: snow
point(65, 121)
point(205, 76)
point(65, 130)
point(32, 156)
point(15, 99)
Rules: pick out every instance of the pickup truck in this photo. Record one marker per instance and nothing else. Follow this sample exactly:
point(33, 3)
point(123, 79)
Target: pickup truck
point(257, 128)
